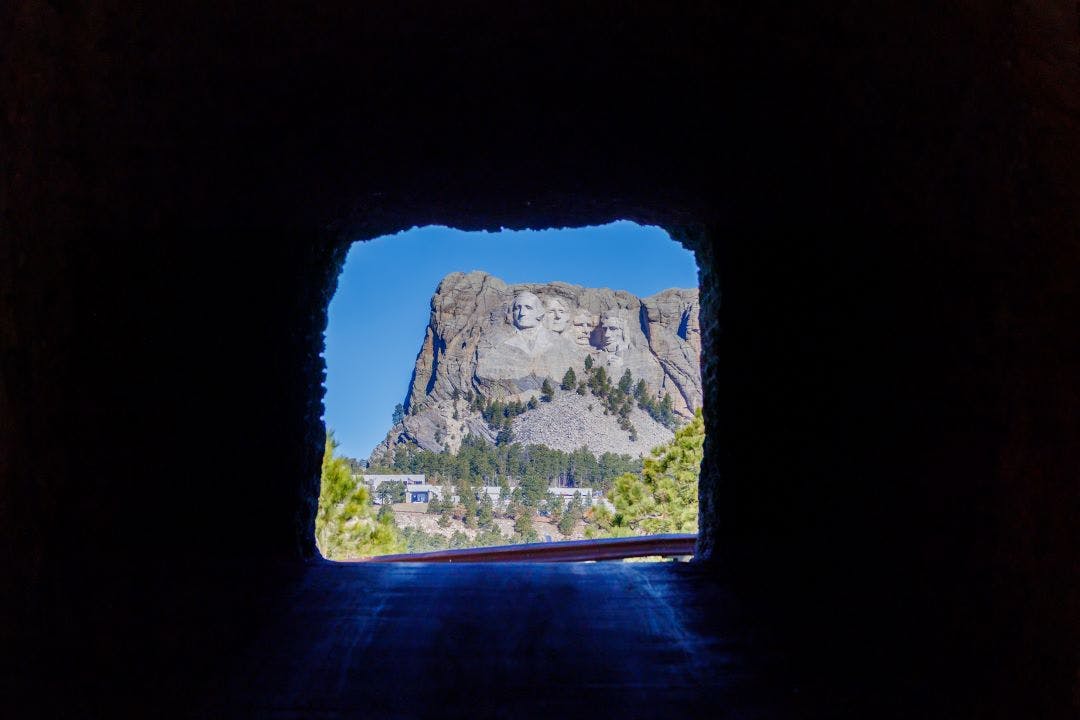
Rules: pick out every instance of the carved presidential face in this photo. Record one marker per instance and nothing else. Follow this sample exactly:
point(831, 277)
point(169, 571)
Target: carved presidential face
point(526, 310)
point(582, 328)
point(557, 316)
point(612, 333)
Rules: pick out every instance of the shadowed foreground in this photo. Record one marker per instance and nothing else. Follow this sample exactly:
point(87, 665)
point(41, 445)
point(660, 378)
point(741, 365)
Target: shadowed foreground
point(525, 640)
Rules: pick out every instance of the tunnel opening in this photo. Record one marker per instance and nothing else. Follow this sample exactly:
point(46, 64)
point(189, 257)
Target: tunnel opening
point(557, 376)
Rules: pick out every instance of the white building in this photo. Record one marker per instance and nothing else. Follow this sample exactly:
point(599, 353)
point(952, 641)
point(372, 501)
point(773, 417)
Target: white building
point(374, 481)
point(422, 493)
point(567, 494)
point(417, 490)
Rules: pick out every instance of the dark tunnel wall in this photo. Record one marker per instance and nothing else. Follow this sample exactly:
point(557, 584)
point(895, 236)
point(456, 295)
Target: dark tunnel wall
point(883, 201)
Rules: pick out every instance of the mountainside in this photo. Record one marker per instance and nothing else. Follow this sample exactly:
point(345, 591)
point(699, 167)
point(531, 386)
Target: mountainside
point(488, 342)
point(572, 421)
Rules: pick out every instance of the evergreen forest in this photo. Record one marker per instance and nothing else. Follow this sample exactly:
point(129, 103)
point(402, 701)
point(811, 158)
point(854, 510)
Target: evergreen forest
point(642, 497)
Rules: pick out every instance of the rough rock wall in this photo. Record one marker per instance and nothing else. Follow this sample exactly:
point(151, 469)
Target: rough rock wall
point(473, 345)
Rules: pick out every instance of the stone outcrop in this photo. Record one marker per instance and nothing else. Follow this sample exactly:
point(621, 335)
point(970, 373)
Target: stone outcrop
point(502, 341)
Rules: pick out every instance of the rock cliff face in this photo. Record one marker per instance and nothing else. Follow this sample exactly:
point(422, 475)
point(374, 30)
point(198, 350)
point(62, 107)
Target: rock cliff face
point(502, 341)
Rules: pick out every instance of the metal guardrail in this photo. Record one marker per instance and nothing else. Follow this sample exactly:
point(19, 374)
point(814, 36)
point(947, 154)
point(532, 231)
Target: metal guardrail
point(567, 551)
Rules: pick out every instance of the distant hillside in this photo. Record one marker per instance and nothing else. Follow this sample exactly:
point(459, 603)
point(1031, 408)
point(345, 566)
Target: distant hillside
point(489, 347)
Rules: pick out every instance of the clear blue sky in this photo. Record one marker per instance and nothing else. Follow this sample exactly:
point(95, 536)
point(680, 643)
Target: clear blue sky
point(381, 308)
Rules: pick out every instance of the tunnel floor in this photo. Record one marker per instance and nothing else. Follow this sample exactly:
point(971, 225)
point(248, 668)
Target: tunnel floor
point(508, 640)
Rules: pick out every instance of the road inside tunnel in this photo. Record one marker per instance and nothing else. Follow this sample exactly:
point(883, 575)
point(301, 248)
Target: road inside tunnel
point(521, 640)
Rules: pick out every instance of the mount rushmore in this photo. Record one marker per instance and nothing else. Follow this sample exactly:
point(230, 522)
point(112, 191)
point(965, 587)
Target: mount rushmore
point(487, 340)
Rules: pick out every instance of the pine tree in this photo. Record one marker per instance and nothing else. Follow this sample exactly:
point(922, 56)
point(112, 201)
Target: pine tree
point(569, 380)
point(469, 502)
point(667, 411)
point(446, 513)
point(533, 404)
point(345, 523)
point(485, 513)
point(602, 382)
point(390, 491)
point(625, 383)
point(399, 413)
point(524, 529)
point(570, 520)
point(547, 392)
point(663, 497)
point(572, 515)
point(588, 362)
point(554, 505)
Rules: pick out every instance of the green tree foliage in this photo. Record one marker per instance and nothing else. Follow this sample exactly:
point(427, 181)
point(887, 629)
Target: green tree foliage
point(485, 512)
point(515, 508)
point(524, 530)
point(618, 399)
point(667, 411)
point(532, 404)
point(416, 540)
point(572, 515)
point(663, 497)
point(480, 463)
point(598, 382)
point(500, 415)
point(569, 380)
point(390, 491)
point(547, 392)
point(657, 496)
point(612, 466)
point(399, 413)
point(477, 403)
point(553, 506)
point(489, 537)
point(534, 489)
point(345, 523)
point(662, 412)
point(588, 362)
point(469, 504)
